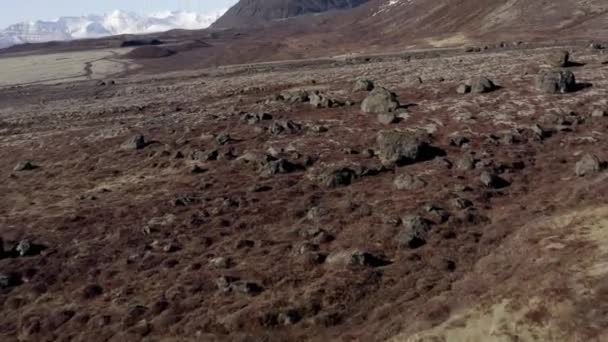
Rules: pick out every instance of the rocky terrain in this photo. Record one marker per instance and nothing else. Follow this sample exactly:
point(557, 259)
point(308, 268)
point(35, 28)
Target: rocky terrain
point(445, 196)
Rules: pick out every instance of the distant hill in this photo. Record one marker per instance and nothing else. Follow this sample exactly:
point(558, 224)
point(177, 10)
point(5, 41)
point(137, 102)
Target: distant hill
point(255, 12)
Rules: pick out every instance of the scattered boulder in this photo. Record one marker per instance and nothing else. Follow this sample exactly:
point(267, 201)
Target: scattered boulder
point(460, 203)
point(278, 166)
point(380, 100)
point(220, 262)
point(558, 59)
point(340, 177)
point(355, 258)
point(480, 85)
point(553, 82)
point(466, 163)
point(136, 142)
point(407, 181)
point(298, 96)
point(318, 100)
point(363, 85)
point(341, 174)
point(25, 166)
point(587, 165)
point(599, 113)
point(223, 138)
point(402, 148)
point(24, 247)
point(387, 118)
point(285, 127)
point(414, 232)
point(463, 89)
point(254, 118)
point(492, 180)
point(540, 132)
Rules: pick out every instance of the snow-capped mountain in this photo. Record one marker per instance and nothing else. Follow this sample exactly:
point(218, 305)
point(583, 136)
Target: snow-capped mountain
point(95, 26)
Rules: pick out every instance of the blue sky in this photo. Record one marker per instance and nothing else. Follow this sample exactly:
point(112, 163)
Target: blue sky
point(15, 11)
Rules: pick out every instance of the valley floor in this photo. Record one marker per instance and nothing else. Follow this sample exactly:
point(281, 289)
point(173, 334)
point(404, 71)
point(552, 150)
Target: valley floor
point(222, 225)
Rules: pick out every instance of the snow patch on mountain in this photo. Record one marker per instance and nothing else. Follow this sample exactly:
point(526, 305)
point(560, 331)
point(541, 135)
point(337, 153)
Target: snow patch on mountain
point(95, 26)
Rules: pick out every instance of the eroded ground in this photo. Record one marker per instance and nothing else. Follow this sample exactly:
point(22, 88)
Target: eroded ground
point(130, 239)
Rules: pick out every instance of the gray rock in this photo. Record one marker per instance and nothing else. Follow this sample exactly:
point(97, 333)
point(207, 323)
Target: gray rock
point(587, 165)
point(355, 258)
point(480, 85)
point(409, 182)
point(363, 85)
point(414, 233)
point(24, 247)
point(25, 166)
point(401, 148)
point(223, 138)
point(466, 163)
point(380, 100)
point(554, 82)
point(492, 181)
point(540, 132)
point(387, 118)
point(460, 203)
point(136, 142)
point(599, 113)
point(322, 101)
point(297, 96)
point(220, 262)
point(285, 127)
point(558, 59)
point(463, 89)
point(340, 177)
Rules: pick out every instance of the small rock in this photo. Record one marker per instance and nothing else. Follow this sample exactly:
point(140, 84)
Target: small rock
point(355, 258)
point(540, 132)
point(461, 203)
point(463, 89)
point(285, 127)
point(380, 100)
point(414, 233)
point(363, 85)
point(466, 163)
point(25, 166)
point(588, 164)
point(136, 142)
point(493, 181)
point(247, 287)
point(480, 85)
point(553, 82)
point(223, 138)
point(220, 262)
point(408, 182)
point(559, 59)
point(23, 248)
point(387, 118)
point(198, 170)
point(401, 148)
point(599, 113)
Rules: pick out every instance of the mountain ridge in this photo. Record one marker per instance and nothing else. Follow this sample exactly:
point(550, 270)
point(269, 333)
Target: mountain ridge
point(97, 26)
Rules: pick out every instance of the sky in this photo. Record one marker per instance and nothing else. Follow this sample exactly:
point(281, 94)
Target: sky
point(15, 11)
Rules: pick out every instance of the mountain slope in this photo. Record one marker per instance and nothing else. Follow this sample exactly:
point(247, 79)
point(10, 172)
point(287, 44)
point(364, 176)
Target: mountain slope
point(254, 12)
